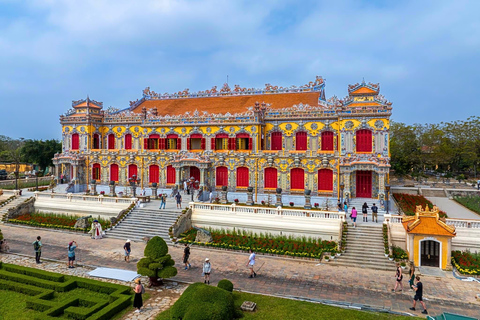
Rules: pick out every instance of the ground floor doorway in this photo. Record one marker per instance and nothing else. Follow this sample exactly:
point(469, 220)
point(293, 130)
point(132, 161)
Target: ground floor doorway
point(430, 253)
point(364, 184)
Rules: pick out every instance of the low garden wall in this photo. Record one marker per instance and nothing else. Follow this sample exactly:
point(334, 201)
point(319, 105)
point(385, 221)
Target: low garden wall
point(276, 221)
point(21, 209)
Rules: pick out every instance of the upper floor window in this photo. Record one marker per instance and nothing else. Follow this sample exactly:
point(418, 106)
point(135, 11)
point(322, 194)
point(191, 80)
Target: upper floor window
point(111, 141)
point(276, 140)
point(242, 142)
point(364, 140)
point(301, 140)
point(75, 141)
point(173, 142)
point(196, 142)
point(327, 141)
point(96, 141)
point(128, 141)
point(221, 142)
point(152, 142)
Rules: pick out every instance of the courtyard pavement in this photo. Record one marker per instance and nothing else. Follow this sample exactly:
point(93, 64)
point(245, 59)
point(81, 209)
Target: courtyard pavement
point(453, 209)
point(277, 276)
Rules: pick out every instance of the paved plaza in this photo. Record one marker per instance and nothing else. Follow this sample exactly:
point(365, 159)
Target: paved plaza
point(277, 276)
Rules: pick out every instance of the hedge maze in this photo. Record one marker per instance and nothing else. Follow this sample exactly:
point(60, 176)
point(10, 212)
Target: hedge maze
point(53, 296)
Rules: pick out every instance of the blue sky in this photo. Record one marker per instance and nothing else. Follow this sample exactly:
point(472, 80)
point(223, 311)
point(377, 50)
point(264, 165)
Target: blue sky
point(424, 54)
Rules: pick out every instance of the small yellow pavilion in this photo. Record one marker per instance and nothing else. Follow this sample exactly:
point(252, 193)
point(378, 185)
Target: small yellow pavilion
point(429, 239)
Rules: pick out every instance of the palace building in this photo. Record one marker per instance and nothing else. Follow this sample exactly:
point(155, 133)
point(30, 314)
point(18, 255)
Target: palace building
point(291, 138)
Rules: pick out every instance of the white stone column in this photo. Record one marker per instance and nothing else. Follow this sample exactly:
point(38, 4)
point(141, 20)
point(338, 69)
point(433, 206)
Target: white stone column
point(202, 179)
point(177, 178)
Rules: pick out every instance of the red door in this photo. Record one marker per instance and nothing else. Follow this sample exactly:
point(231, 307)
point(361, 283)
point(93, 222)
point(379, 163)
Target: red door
point(154, 174)
point(297, 179)
point(195, 173)
point(221, 177)
point(171, 175)
point(114, 172)
point(364, 184)
point(242, 177)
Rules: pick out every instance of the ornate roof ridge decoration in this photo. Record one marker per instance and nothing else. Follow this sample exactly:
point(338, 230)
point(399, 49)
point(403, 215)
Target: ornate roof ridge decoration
point(372, 86)
point(313, 86)
point(300, 107)
point(411, 222)
point(87, 100)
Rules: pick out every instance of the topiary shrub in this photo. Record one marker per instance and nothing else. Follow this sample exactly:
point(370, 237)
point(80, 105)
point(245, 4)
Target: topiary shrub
point(157, 264)
point(225, 285)
point(203, 302)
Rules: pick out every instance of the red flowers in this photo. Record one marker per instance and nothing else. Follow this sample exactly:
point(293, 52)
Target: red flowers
point(409, 202)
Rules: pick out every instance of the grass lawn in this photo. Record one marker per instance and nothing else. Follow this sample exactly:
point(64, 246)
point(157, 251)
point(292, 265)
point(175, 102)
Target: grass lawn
point(470, 202)
point(272, 308)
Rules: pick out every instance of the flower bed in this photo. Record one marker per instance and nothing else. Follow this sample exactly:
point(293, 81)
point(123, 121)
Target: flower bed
point(409, 202)
point(53, 220)
point(39, 189)
point(470, 202)
point(466, 262)
point(265, 243)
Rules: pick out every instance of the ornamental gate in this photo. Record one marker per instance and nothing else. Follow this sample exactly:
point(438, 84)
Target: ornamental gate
point(430, 253)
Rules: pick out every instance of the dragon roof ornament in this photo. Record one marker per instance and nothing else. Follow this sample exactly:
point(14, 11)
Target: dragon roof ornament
point(372, 86)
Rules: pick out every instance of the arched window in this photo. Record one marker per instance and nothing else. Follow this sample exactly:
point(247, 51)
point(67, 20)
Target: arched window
point(75, 141)
point(325, 180)
point(132, 170)
point(96, 171)
point(297, 179)
point(242, 177)
point(327, 141)
point(96, 141)
point(301, 140)
point(276, 140)
point(221, 176)
point(270, 180)
point(114, 172)
point(364, 140)
point(154, 174)
point(111, 141)
point(170, 175)
point(128, 141)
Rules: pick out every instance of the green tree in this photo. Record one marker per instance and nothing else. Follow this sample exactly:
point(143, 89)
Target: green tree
point(404, 148)
point(157, 264)
point(41, 152)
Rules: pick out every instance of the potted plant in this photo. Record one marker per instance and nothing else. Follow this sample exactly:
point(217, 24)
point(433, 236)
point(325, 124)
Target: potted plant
point(403, 265)
point(154, 185)
point(307, 192)
point(326, 258)
point(386, 253)
point(224, 188)
point(250, 189)
point(279, 190)
point(291, 204)
point(102, 193)
point(236, 200)
point(263, 202)
point(390, 257)
point(112, 183)
point(316, 205)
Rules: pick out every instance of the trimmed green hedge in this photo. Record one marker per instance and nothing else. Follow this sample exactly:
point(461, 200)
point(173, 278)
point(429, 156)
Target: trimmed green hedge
point(225, 285)
point(41, 286)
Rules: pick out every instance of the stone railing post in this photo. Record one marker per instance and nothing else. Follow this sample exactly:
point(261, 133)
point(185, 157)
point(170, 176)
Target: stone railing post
point(112, 189)
point(278, 202)
point(93, 188)
point(154, 190)
point(308, 203)
point(249, 196)
point(224, 194)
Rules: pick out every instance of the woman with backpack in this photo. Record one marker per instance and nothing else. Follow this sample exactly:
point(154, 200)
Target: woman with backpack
point(139, 290)
point(365, 212)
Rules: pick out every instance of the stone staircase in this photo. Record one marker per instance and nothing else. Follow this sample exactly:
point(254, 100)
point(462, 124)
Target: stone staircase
point(365, 249)
point(145, 222)
point(11, 204)
point(358, 203)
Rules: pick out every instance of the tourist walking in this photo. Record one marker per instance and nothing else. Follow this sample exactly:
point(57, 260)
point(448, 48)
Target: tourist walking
point(178, 197)
point(412, 274)
point(186, 255)
point(185, 187)
point(251, 263)
point(374, 213)
point(398, 278)
point(210, 196)
point(163, 201)
point(353, 215)
point(37, 247)
point(71, 253)
point(339, 206)
point(345, 207)
point(365, 212)
point(207, 268)
point(419, 296)
point(127, 247)
point(139, 290)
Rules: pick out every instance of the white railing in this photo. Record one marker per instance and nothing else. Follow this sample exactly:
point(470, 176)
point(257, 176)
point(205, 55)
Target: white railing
point(80, 197)
point(234, 209)
point(392, 218)
point(464, 223)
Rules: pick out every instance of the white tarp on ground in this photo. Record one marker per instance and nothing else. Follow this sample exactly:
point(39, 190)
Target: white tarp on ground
point(116, 274)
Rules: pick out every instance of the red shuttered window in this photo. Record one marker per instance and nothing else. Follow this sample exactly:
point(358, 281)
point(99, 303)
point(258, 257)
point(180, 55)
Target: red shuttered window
point(132, 170)
point(270, 178)
point(111, 141)
point(325, 180)
point(221, 176)
point(96, 171)
point(170, 175)
point(327, 141)
point(128, 141)
point(154, 174)
point(301, 140)
point(96, 141)
point(202, 144)
point(297, 179)
point(212, 144)
point(364, 141)
point(242, 177)
point(75, 141)
point(114, 172)
point(276, 140)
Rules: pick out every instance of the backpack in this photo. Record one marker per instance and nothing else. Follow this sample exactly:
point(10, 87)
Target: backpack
point(36, 245)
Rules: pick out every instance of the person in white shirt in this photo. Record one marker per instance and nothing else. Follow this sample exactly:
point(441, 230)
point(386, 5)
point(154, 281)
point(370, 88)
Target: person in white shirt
point(251, 263)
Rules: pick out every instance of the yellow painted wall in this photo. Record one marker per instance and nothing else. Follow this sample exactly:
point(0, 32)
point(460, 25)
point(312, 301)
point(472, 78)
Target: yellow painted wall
point(444, 248)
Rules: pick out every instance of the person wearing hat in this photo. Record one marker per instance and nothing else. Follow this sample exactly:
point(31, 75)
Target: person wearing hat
point(71, 253)
point(207, 268)
point(127, 249)
point(139, 290)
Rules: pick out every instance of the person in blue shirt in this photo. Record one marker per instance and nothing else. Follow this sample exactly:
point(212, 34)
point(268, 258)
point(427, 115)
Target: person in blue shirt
point(71, 253)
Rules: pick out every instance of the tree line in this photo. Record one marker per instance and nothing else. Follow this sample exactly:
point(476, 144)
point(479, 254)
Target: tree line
point(18, 151)
point(450, 149)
